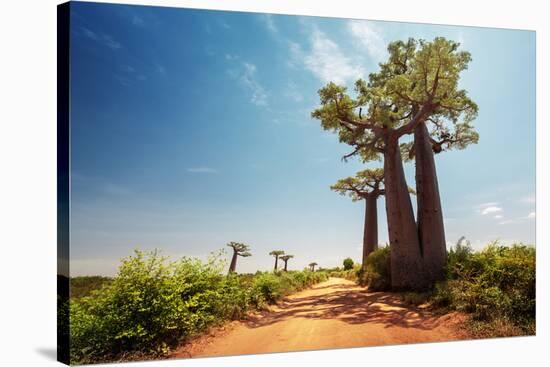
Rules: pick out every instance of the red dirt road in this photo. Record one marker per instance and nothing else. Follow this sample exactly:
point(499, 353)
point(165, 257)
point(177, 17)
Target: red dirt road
point(333, 314)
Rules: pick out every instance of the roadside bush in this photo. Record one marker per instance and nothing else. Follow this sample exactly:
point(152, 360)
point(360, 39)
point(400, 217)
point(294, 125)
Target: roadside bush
point(376, 274)
point(153, 304)
point(497, 283)
point(84, 285)
point(348, 263)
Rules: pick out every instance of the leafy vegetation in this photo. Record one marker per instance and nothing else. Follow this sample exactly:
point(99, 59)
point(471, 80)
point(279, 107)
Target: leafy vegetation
point(84, 285)
point(496, 285)
point(348, 263)
point(376, 273)
point(154, 304)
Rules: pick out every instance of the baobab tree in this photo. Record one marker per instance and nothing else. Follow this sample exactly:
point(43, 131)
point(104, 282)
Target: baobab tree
point(312, 266)
point(239, 249)
point(276, 253)
point(416, 86)
point(285, 259)
point(367, 185)
point(421, 74)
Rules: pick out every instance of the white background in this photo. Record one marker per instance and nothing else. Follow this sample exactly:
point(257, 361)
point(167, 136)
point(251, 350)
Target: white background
point(28, 182)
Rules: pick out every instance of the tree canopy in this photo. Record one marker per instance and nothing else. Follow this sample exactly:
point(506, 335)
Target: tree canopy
point(363, 184)
point(240, 249)
point(418, 83)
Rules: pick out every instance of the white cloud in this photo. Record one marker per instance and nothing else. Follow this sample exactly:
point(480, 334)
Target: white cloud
point(531, 215)
point(293, 92)
point(103, 39)
point(248, 79)
point(326, 61)
point(368, 37)
point(269, 23)
point(491, 209)
point(137, 21)
point(202, 170)
point(231, 57)
point(161, 69)
point(498, 216)
point(110, 42)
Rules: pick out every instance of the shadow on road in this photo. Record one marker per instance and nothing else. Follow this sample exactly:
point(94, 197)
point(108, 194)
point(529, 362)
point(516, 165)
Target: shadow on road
point(352, 305)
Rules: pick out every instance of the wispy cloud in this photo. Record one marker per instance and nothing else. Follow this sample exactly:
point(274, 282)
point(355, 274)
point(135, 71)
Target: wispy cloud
point(326, 60)
point(531, 215)
point(102, 38)
point(138, 21)
point(368, 37)
point(267, 19)
point(161, 69)
point(202, 170)
point(492, 207)
point(231, 57)
point(248, 78)
point(498, 216)
point(292, 92)
point(490, 210)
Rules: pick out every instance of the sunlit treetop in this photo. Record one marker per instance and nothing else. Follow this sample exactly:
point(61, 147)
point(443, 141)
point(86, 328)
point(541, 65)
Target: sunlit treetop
point(240, 248)
point(417, 84)
point(286, 257)
point(277, 253)
point(369, 182)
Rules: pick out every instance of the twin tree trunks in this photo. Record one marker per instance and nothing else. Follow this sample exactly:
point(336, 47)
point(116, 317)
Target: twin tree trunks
point(418, 248)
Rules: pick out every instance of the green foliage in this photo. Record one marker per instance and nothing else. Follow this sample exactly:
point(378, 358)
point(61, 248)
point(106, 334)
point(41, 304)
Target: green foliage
point(153, 304)
point(348, 263)
point(240, 249)
point(361, 185)
point(418, 76)
point(376, 274)
point(84, 285)
point(495, 283)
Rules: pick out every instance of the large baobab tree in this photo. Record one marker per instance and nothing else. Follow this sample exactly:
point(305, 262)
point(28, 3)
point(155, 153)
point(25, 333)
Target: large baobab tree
point(421, 74)
point(367, 185)
point(239, 249)
point(276, 253)
point(285, 259)
point(417, 86)
point(312, 266)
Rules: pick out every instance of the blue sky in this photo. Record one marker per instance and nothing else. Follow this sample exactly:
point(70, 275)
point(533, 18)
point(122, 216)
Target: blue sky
point(192, 128)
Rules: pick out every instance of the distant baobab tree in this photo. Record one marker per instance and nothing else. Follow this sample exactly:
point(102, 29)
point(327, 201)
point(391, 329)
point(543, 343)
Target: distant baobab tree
point(239, 249)
point(285, 258)
point(276, 253)
point(312, 266)
point(367, 185)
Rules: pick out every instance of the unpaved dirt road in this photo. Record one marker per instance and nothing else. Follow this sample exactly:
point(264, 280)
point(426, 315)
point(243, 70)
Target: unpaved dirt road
point(333, 314)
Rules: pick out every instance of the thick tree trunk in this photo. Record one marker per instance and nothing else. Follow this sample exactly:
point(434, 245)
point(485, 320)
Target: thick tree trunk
point(233, 263)
point(406, 260)
point(370, 233)
point(285, 265)
point(276, 261)
point(431, 231)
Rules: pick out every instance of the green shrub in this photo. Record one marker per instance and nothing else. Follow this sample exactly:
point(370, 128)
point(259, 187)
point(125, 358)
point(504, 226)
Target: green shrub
point(84, 285)
point(376, 274)
point(495, 283)
point(348, 263)
point(152, 304)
